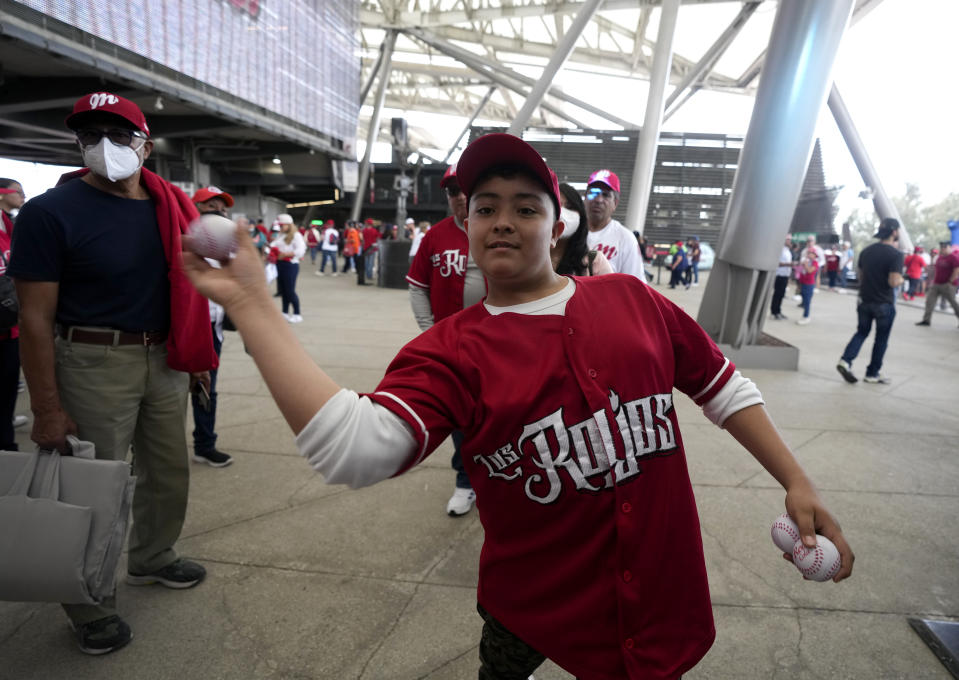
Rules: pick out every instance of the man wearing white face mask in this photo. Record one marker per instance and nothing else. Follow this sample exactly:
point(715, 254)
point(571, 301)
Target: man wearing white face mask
point(114, 336)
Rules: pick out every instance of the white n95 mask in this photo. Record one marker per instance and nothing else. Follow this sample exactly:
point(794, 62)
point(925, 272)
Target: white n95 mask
point(571, 220)
point(111, 161)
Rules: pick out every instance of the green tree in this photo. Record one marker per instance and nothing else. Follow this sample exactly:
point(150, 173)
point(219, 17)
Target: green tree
point(926, 224)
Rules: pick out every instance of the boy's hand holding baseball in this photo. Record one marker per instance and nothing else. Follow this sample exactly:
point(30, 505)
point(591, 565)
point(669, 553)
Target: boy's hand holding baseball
point(811, 516)
point(240, 283)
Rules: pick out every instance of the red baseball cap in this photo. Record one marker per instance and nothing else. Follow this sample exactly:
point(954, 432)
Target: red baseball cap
point(206, 193)
point(499, 148)
point(448, 175)
point(104, 102)
point(607, 177)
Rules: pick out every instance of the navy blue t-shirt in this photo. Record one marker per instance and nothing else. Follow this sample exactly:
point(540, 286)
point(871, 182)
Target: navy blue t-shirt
point(105, 251)
point(876, 263)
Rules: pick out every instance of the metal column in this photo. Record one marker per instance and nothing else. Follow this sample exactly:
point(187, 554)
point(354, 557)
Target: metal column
point(649, 136)
point(374, 123)
point(880, 199)
point(796, 78)
point(563, 50)
point(469, 123)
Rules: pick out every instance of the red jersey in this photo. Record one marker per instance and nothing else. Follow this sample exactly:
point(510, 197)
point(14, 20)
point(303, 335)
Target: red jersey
point(371, 237)
point(914, 266)
point(592, 553)
point(440, 267)
point(808, 277)
point(944, 267)
point(832, 261)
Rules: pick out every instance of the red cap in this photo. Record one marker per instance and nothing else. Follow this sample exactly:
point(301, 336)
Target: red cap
point(499, 148)
point(104, 102)
point(206, 193)
point(607, 177)
point(369, 220)
point(448, 175)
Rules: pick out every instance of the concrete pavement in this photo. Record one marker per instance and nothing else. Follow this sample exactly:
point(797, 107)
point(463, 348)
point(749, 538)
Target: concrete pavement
point(312, 581)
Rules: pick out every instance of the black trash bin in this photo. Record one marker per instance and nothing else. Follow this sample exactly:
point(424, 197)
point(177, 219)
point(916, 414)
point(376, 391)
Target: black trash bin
point(394, 264)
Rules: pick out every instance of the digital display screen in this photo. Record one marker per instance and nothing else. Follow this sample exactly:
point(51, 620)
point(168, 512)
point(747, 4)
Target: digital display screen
point(295, 58)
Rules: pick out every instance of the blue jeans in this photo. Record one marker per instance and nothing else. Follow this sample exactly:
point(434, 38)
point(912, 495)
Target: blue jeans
point(204, 432)
point(313, 250)
point(807, 291)
point(286, 273)
point(883, 313)
point(462, 479)
point(328, 256)
point(370, 256)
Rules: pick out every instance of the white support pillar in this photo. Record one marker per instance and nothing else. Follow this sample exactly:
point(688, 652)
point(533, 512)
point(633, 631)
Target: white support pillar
point(649, 135)
point(563, 50)
point(374, 130)
point(797, 75)
point(880, 199)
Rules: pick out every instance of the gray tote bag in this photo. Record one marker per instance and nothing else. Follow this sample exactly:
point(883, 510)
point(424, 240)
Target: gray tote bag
point(63, 523)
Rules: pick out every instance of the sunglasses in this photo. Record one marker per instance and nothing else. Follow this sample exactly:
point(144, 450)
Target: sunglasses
point(595, 192)
point(119, 136)
point(453, 192)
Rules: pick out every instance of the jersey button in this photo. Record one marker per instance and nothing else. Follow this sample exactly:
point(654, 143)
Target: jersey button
point(570, 331)
point(592, 373)
point(626, 508)
point(629, 643)
point(627, 576)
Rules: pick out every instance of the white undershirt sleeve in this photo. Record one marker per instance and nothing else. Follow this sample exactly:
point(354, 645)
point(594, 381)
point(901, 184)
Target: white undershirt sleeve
point(355, 441)
point(738, 393)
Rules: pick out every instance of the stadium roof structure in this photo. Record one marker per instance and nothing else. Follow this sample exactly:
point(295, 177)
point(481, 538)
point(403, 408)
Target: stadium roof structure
point(479, 58)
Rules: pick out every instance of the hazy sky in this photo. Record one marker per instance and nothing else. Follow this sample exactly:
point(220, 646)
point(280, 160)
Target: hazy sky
point(894, 71)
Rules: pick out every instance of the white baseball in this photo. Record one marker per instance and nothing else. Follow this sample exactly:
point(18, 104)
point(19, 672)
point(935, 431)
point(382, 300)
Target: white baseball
point(213, 236)
point(819, 564)
point(785, 533)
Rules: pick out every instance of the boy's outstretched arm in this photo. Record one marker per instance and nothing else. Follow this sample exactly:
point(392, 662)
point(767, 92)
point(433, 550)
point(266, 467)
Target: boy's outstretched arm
point(753, 428)
point(298, 385)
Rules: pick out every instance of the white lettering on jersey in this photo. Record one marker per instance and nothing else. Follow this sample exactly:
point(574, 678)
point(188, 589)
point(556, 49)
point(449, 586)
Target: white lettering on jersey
point(449, 262)
point(586, 451)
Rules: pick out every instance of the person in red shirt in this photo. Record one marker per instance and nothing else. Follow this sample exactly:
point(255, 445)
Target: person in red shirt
point(944, 283)
point(11, 198)
point(592, 549)
point(832, 267)
point(808, 269)
point(312, 236)
point(914, 264)
point(371, 240)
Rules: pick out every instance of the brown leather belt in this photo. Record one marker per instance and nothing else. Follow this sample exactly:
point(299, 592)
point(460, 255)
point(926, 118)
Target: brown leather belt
point(107, 336)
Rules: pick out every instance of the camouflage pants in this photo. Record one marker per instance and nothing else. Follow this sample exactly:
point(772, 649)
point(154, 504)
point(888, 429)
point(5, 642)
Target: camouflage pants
point(503, 656)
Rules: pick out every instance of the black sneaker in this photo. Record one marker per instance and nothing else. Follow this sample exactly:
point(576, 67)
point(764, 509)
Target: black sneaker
point(103, 635)
point(179, 574)
point(923, 323)
point(213, 458)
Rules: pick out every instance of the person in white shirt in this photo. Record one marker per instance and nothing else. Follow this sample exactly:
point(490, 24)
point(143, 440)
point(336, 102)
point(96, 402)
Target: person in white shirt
point(419, 231)
point(289, 248)
point(783, 271)
point(607, 235)
point(328, 240)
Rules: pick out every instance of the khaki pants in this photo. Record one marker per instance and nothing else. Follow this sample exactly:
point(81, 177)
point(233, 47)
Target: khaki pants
point(126, 395)
point(946, 290)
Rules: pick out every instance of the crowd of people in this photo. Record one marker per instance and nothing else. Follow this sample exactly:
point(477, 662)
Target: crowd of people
point(513, 284)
